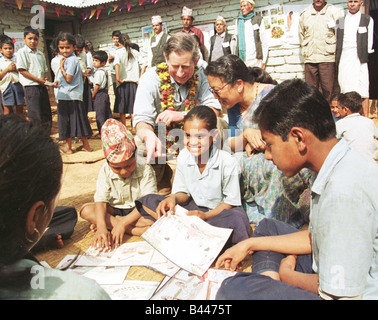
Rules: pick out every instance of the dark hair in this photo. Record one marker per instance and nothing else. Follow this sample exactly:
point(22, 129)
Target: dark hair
point(295, 103)
point(335, 96)
point(116, 33)
point(203, 113)
point(4, 39)
point(260, 75)
point(80, 41)
point(89, 46)
point(54, 47)
point(351, 100)
point(124, 39)
point(65, 36)
point(30, 171)
point(100, 55)
point(229, 68)
point(29, 29)
point(135, 46)
point(200, 46)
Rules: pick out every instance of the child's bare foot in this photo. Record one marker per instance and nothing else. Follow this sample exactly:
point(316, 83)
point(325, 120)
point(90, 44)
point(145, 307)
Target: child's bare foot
point(59, 242)
point(67, 150)
point(136, 231)
point(93, 227)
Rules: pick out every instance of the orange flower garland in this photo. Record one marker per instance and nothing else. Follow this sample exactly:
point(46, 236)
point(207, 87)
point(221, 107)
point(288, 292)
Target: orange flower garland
point(167, 102)
point(167, 90)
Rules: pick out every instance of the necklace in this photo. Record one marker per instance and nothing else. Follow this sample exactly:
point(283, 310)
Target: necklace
point(257, 90)
point(167, 90)
point(167, 102)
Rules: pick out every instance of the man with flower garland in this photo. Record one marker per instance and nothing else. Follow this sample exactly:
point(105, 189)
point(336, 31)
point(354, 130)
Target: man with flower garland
point(165, 94)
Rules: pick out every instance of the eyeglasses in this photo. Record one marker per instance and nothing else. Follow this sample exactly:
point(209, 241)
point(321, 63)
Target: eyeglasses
point(216, 92)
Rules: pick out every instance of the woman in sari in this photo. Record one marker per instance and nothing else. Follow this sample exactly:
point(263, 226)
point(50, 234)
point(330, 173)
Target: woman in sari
point(266, 191)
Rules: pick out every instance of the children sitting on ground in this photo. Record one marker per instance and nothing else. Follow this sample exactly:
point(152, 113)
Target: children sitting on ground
point(31, 64)
point(11, 89)
point(206, 180)
point(121, 181)
point(30, 179)
point(337, 257)
point(100, 96)
point(360, 132)
point(72, 116)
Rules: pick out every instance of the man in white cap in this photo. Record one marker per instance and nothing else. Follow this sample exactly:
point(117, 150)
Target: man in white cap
point(156, 43)
point(252, 45)
point(187, 23)
point(220, 42)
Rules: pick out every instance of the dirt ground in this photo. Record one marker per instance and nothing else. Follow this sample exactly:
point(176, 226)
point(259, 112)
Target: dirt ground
point(80, 172)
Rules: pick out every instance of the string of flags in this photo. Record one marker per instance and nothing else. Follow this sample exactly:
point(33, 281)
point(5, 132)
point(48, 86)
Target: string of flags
point(86, 13)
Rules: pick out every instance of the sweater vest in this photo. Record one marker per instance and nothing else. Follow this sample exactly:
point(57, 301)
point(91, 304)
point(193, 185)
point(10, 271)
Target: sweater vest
point(226, 50)
point(157, 51)
point(362, 39)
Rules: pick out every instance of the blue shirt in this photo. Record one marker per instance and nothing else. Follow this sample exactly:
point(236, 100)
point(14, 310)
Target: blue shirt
point(147, 101)
point(233, 118)
point(344, 224)
point(74, 89)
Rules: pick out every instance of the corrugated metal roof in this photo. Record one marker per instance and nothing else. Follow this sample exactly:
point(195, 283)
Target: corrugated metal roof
point(79, 3)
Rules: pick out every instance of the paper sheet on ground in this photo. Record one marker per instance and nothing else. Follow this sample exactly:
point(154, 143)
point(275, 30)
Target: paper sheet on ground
point(102, 275)
point(139, 253)
point(188, 286)
point(187, 241)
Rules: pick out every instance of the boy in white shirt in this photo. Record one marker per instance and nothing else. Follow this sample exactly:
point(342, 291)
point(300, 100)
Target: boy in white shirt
point(360, 132)
point(100, 96)
point(11, 90)
point(121, 181)
point(33, 70)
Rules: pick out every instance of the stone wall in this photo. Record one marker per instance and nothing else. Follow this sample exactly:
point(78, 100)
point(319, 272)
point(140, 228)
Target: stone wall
point(284, 61)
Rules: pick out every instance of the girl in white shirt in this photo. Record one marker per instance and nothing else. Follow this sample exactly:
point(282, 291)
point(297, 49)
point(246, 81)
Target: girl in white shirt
point(206, 180)
point(127, 76)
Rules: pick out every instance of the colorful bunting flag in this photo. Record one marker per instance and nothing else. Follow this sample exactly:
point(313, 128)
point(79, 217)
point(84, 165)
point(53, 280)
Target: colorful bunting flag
point(19, 4)
point(93, 11)
point(98, 13)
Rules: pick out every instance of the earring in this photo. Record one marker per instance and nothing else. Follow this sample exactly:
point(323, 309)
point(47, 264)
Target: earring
point(31, 241)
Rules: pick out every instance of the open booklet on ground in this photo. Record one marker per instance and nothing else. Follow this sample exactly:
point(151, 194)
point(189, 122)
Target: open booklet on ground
point(187, 241)
point(187, 286)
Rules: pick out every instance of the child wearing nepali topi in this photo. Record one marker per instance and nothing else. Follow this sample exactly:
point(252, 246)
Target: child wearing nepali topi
point(121, 181)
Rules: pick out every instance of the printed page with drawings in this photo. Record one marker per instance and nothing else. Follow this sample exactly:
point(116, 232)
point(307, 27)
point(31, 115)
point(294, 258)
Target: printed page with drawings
point(187, 241)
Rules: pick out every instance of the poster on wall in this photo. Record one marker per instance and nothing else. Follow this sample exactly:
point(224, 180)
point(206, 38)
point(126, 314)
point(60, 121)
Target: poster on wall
point(208, 31)
point(147, 34)
point(18, 38)
point(281, 22)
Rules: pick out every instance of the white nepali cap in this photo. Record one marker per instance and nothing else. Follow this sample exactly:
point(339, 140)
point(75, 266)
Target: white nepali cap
point(220, 18)
point(156, 19)
point(250, 1)
point(187, 12)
